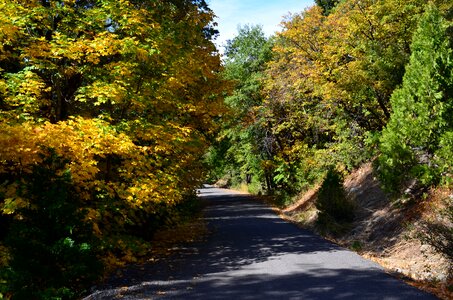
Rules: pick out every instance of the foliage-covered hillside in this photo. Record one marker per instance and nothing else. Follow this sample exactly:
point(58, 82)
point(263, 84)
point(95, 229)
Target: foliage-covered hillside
point(344, 82)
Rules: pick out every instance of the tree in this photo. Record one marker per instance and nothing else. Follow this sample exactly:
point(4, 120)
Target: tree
point(244, 138)
point(124, 94)
point(420, 127)
point(310, 115)
point(326, 5)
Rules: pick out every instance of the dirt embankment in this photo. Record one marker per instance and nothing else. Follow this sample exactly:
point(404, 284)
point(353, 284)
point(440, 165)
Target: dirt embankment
point(387, 231)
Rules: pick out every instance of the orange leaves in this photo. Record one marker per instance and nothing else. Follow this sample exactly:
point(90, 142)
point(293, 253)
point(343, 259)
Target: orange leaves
point(102, 92)
point(12, 201)
point(88, 144)
point(77, 140)
point(90, 49)
point(11, 20)
point(316, 46)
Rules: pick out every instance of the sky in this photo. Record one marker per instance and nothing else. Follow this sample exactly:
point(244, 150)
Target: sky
point(268, 13)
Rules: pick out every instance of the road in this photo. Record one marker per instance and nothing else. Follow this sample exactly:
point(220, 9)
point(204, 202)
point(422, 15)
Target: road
point(253, 254)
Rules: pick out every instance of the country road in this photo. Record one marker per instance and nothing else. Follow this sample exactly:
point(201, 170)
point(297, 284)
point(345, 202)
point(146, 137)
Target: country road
point(253, 254)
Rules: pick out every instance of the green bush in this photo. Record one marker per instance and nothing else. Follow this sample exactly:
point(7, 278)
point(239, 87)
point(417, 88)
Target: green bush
point(445, 157)
point(335, 209)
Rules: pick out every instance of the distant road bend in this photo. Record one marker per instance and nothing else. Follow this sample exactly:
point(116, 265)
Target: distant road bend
point(251, 253)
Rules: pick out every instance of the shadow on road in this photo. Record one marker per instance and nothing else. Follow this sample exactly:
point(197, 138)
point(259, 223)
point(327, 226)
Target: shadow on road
point(253, 254)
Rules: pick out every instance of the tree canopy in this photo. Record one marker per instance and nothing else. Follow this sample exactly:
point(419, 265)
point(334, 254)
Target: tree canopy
point(106, 109)
point(243, 144)
point(337, 79)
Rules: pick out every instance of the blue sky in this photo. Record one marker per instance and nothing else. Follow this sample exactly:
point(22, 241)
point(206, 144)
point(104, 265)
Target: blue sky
point(268, 13)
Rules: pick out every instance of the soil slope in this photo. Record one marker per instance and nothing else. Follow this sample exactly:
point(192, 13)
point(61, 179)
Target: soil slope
point(386, 231)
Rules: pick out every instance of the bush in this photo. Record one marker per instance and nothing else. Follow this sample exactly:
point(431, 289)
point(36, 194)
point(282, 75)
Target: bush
point(445, 157)
point(335, 209)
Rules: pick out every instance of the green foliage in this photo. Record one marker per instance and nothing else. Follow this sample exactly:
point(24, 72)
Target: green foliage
point(216, 161)
point(255, 186)
point(445, 157)
point(335, 209)
point(322, 97)
point(327, 5)
point(247, 53)
point(322, 94)
point(421, 122)
point(356, 246)
point(53, 250)
point(244, 141)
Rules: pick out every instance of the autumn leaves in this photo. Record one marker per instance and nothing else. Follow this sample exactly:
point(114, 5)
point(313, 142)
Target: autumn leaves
point(321, 97)
point(108, 107)
point(114, 101)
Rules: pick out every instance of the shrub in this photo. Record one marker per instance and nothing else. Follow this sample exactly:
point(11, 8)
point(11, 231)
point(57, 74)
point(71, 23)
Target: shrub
point(438, 232)
point(333, 205)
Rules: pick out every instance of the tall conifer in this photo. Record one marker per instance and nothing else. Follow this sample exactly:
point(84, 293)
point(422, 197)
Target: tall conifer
point(421, 118)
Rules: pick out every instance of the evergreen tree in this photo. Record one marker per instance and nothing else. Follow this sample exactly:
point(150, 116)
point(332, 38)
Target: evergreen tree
point(326, 5)
point(421, 120)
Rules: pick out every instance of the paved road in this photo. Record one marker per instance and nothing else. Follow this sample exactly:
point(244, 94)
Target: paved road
point(253, 254)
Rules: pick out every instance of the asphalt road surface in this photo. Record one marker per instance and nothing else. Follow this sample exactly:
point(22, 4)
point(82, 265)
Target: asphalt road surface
point(253, 254)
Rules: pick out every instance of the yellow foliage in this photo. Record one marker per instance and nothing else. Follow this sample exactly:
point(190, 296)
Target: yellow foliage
point(118, 100)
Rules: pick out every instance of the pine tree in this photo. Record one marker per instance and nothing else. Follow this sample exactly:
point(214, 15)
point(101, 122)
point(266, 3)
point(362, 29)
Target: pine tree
point(421, 119)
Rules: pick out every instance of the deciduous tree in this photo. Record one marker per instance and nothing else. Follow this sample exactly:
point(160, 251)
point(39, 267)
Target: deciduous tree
point(244, 141)
point(123, 94)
